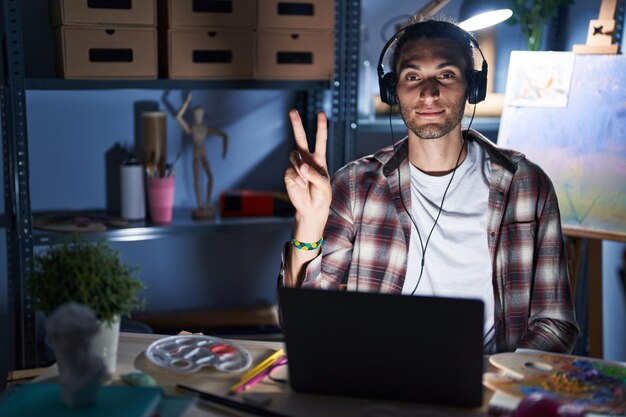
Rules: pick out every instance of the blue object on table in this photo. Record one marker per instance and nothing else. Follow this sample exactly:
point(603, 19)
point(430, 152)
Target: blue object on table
point(36, 400)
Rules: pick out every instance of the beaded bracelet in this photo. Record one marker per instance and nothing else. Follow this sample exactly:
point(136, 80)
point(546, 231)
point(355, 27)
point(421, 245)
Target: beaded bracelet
point(307, 246)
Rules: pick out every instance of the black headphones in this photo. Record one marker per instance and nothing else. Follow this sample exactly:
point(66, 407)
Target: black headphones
point(476, 80)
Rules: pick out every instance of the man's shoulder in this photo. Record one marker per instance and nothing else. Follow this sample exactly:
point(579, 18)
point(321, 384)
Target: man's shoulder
point(369, 163)
point(358, 170)
point(511, 159)
point(525, 175)
point(508, 158)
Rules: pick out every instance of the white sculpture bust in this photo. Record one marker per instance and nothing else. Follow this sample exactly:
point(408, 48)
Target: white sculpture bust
point(71, 327)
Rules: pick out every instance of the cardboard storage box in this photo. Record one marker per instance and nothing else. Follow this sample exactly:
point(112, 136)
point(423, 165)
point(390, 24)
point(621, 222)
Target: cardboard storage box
point(209, 13)
point(210, 53)
point(104, 12)
point(99, 53)
point(299, 55)
point(296, 14)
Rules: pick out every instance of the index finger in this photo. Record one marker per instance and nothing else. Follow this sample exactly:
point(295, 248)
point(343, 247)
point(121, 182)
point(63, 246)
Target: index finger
point(298, 131)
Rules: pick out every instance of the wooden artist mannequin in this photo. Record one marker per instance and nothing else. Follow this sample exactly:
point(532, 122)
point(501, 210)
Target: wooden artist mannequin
point(199, 132)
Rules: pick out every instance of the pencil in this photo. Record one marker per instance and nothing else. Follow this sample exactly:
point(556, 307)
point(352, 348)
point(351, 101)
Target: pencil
point(266, 363)
point(248, 408)
point(255, 379)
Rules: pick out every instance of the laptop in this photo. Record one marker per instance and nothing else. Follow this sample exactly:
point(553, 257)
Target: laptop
point(390, 347)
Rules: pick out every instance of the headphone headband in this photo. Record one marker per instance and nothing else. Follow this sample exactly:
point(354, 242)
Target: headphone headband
point(476, 83)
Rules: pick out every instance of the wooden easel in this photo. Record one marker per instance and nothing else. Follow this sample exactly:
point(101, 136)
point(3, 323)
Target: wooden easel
point(593, 274)
point(601, 32)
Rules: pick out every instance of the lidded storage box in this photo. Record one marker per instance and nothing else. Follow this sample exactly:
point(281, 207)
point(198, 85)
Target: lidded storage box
point(296, 14)
point(103, 39)
point(295, 39)
point(210, 13)
point(295, 54)
point(107, 12)
point(209, 39)
point(212, 53)
point(99, 53)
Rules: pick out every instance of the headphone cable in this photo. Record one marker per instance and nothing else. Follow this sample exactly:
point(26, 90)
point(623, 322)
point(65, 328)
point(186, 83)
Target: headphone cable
point(422, 245)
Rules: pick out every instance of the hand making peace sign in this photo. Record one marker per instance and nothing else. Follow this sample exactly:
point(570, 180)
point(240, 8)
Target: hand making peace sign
point(307, 180)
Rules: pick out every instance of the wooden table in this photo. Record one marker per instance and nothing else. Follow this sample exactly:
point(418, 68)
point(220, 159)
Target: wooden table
point(131, 357)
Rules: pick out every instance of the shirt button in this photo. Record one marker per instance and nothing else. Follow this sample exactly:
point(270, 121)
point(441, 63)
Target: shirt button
point(493, 234)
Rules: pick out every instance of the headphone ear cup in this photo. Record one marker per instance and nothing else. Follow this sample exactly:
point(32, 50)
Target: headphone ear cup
point(388, 89)
point(476, 87)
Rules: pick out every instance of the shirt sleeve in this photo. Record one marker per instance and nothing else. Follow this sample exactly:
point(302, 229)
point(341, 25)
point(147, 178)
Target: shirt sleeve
point(327, 270)
point(313, 268)
point(552, 322)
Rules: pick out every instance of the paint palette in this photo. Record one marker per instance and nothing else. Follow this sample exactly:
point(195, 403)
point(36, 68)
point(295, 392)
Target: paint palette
point(190, 353)
point(597, 385)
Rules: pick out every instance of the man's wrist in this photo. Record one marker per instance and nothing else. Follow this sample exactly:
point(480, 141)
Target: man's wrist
point(309, 231)
point(298, 244)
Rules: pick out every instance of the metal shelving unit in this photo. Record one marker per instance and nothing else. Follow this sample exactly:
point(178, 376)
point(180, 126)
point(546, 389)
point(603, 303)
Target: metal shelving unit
point(167, 84)
point(345, 84)
point(181, 224)
point(17, 335)
point(19, 332)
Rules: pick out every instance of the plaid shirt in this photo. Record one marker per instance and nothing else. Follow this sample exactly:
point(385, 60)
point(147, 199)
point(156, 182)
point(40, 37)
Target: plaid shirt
point(368, 231)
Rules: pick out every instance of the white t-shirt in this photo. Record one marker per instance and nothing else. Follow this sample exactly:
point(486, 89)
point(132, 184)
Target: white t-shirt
point(457, 260)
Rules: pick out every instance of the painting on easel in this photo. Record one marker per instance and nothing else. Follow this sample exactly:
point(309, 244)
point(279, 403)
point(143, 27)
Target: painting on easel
point(581, 146)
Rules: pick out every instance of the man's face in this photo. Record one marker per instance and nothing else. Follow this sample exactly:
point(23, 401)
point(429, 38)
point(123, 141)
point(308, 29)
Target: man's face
point(431, 86)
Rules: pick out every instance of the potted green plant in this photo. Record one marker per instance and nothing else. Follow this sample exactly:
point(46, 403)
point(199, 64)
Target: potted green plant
point(90, 273)
point(532, 15)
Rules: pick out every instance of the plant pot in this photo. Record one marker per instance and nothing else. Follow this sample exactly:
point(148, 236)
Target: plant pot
point(105, 342)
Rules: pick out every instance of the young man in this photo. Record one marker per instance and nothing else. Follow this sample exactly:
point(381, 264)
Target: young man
point(443, 212)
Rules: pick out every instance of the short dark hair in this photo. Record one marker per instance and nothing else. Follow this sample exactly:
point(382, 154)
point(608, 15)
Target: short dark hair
point(417, 28)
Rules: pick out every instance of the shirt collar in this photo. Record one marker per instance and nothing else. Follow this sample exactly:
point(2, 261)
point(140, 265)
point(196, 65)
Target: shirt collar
point(391, 156)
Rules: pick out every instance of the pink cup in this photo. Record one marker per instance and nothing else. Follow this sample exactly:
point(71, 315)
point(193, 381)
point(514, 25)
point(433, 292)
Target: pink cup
point(161, 198)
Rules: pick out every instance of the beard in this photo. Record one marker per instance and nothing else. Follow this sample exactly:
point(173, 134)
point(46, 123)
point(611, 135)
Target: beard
point(431, 130)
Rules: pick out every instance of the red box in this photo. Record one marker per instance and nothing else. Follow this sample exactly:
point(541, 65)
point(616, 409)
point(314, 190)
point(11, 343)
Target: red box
point(104, 53)
point(210, 53)
point(223, 13)
point(247, 203)
point(296, 14)
point(296, 55)
point(104, 12)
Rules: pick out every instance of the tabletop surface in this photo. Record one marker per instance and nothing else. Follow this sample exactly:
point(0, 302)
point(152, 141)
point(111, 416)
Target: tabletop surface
point(131, 357)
